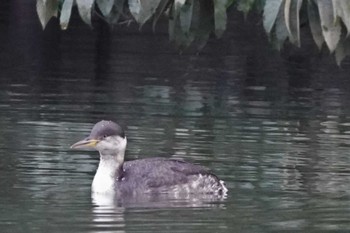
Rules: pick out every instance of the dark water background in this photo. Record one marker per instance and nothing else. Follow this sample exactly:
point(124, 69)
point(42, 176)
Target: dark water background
point(274, 126)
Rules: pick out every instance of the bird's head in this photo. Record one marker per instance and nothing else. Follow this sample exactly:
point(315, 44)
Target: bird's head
point(106, 137)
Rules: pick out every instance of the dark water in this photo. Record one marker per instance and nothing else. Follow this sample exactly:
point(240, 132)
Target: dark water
point(275, 127)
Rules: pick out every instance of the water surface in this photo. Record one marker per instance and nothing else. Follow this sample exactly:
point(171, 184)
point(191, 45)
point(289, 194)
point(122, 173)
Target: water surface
point(275, 127)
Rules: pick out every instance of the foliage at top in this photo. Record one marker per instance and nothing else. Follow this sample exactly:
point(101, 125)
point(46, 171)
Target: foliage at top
point(193, 21)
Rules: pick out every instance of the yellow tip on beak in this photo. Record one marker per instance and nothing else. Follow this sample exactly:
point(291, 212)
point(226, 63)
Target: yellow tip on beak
point(85, 144)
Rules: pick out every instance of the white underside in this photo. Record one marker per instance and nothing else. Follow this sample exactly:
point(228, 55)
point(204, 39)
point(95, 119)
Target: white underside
point(105, 178)
point(102, 184)
point(112, 151)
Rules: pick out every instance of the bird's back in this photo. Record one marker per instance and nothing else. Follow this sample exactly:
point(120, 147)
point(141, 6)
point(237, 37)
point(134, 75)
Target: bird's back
point(161, 175)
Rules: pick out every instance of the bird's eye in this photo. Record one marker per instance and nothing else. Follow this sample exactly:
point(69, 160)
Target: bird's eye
point(104, 136)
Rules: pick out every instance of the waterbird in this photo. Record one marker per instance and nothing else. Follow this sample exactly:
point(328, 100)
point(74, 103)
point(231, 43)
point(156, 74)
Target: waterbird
point(143, 176)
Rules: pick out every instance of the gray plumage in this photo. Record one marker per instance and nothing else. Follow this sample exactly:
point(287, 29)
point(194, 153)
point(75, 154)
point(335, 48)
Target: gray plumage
point(161, 175)
point(105, 129)
point(151, 175)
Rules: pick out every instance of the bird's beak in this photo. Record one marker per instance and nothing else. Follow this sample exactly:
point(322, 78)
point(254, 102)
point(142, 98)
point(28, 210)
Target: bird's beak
point(86, 143)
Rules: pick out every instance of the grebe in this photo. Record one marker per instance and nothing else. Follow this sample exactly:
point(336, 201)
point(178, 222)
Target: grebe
point(151, 175)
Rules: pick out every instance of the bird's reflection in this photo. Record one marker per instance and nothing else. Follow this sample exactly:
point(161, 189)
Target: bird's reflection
point(109, 210)
point(107, 215)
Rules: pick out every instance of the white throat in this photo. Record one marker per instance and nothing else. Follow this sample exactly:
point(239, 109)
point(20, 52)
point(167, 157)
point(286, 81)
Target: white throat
point(111, 162)
point(106, 174)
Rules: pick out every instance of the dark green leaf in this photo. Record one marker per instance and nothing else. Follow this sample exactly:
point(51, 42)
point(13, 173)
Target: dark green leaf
point(281, 31)
point(342, 9)
point(159, 11)
point(116, 12)
point(220, 17)
point(206, 23)
point(315, 23)
point(172, 22)
point(331, 30)
point(65, 13)
point(292, 21)
point(342, 50)
point(245, 6)
point(46, 9)
point(271, 10)
point(85, 9)
point(105, 6)
point(185, 16)
point(142, 10)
